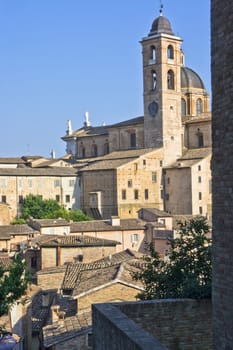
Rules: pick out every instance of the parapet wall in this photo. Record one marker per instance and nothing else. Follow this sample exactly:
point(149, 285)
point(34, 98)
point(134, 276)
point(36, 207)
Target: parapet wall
point(182, 324)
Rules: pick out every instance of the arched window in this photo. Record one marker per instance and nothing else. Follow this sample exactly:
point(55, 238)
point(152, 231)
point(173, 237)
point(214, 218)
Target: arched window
point(183, 107)
point(153, 80)
point(94, 150)
point(200, 140)
point(199, 106)
point(170, 52)
point(170, 80)
point(153, 54)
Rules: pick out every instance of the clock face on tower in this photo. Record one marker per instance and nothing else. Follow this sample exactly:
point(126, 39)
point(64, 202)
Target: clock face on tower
point(153, 108)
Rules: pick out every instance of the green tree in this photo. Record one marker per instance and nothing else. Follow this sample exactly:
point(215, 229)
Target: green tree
point(13, 283)
point(187, 272)
point(38, 208)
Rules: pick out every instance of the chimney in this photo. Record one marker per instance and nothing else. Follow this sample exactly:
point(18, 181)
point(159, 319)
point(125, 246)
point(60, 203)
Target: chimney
point(115, 221)
point(52, 153)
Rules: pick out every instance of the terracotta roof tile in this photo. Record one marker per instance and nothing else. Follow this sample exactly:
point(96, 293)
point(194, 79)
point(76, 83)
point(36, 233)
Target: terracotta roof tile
point(105, 225)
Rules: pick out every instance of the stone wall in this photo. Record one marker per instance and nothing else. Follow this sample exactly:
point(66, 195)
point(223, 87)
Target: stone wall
point(158, 324)
point(222, 165)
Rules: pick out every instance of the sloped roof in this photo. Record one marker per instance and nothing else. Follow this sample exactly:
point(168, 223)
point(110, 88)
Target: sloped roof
point(73, 269)
point(27, 171)
point(77, 241)
point(48, 222)
point(16, 229)
point(105, 225)
point(157, 212)
point(72, 327)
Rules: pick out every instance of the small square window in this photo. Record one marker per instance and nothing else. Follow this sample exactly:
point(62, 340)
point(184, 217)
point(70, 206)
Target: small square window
point(3, 199)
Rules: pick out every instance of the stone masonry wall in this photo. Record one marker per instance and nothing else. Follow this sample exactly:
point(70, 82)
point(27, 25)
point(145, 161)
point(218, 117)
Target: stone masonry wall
point(176, 324)
point(222, 165)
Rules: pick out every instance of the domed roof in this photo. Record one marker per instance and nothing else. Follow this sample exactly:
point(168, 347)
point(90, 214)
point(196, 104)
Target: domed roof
point(161, 25)
point(190, 79)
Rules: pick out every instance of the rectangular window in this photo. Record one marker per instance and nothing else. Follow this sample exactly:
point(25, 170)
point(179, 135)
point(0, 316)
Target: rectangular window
point(133, 140)
point(57, 198)
point(56, 183)
point(136, 194)
point(135, 238)
point(130, 183)
point(199, 179)
point(146, 193)
point(200, 210)
point(123, 194)
point(3, 183)
point(199, 167)
point(144, 161)
point(3, 199)
point(200, 195)
point(167, 196)
point(154, 177)
point(20, 199)
point(168, 180)
point(33, 262)
point(161, 163)
point(135, 167)
point(71, 183)
point(67, 198)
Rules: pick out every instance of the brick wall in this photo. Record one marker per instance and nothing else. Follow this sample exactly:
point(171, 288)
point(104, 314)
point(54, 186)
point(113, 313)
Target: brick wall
point(222, 165)
point(176, 324)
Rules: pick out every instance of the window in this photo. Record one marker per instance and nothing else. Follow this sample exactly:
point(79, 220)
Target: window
point(200, 210)
point(170, 52)
point(167, 196)
point(123, 194)
point(135, 238)
point(106, 148)
point(133, 139)
point(146, 193)
point(57, 198)
point(3, 199)
point(144, 162)
point(136, 194)
point(78, 258)
point(20, 199)
point(200, 196)
point(153, 54)
point(154, 177)
point(183, 107)
point(130, 183)
point(199, 179)
point(83, 152)
point(135, 167)
point(168, 180)
point(199, 106)
point(67, 198)
point(3, 183)
point(56, 183)
point(71, 183)
point(154, 80)
point(94, 150)
point(170, 80)
point(200, 140)
point(199, 167)
point(161, 163)
point(33, 262)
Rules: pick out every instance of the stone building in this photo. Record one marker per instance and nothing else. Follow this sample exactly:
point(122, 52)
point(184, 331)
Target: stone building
point(176, 124)
point(51, 179)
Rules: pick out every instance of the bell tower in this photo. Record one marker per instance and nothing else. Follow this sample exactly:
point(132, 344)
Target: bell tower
point(162, 61)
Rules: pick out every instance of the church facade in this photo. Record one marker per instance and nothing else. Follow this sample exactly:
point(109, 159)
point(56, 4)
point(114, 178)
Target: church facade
point(176, 128)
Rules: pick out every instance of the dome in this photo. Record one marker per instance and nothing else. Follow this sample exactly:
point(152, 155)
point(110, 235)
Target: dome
point(161, 25)
point(190, 79)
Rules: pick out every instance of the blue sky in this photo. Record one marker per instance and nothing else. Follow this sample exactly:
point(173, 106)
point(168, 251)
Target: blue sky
point(60, 58)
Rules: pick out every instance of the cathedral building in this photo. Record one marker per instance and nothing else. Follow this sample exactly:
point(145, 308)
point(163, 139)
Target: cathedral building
point(159, 160)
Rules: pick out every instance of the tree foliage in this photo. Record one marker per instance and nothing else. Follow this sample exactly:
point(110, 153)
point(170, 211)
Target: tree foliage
point(38, 208)
point(187, 271)
point(13, 283)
